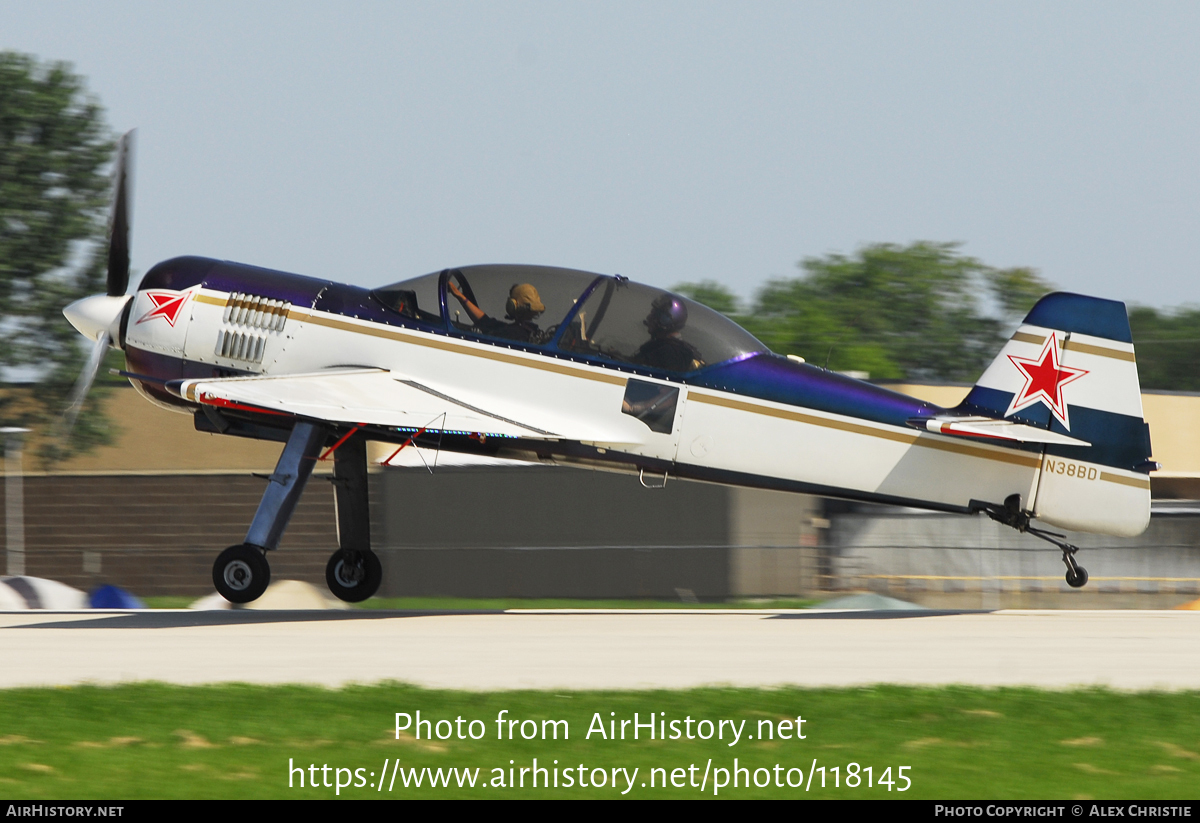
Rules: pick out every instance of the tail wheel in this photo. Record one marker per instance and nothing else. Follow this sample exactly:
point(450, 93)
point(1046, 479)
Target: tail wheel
point(241, 573)
point(1077, 577)
point(353, 576)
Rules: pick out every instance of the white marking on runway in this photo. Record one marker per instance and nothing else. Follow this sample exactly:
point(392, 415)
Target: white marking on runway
point(608, 650)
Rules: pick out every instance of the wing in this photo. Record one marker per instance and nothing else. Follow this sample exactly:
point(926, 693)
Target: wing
point(382, 398)
point(989, 428)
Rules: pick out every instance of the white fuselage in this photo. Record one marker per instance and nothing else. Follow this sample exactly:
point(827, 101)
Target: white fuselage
point(716, 435)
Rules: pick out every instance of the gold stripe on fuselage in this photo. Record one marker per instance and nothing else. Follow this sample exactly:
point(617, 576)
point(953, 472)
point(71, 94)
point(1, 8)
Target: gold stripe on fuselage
point(458, 348)
point(1026, 459)
point(1140, 482)
point(387, 333)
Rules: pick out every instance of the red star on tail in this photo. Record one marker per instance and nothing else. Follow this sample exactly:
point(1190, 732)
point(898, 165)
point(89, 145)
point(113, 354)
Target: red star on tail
point(1044, 380)
point(166, 305)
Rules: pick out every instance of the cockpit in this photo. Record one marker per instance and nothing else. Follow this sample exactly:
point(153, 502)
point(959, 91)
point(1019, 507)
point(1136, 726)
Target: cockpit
point(600, 317)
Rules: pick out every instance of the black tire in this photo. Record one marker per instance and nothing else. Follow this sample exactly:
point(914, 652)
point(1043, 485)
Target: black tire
point(353, 576)
point(1077, 578)
point(241, 573)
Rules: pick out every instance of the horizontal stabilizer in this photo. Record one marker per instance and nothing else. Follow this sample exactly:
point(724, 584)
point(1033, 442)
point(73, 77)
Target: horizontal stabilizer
point(989, 428)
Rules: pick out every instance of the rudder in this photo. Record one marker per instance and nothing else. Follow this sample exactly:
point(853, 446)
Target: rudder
point(1070, 368)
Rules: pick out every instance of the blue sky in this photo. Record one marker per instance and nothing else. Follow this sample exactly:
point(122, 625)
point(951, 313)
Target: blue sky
point(367, 142)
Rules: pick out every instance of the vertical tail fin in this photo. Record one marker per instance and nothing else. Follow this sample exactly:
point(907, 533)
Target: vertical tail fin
point(1070, 368)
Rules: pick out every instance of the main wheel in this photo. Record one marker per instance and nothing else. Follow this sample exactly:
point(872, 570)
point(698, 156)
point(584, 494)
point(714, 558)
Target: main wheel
point(241, 573)
point(353, 576)
point(1077, 577)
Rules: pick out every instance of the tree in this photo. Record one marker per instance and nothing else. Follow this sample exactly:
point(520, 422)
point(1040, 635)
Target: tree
point(900, 312)
point(1167, 344)
point(54, 152)
point(712, 294)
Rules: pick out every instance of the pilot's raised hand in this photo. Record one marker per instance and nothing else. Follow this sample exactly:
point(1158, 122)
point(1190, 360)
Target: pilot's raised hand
point(474, 311)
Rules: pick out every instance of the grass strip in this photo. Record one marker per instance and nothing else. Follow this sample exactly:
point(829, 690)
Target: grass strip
point(236, 741)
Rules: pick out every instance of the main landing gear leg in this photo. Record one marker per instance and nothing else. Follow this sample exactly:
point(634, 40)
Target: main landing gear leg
point(353, 572)
point(1010, 514)
point(241, 573)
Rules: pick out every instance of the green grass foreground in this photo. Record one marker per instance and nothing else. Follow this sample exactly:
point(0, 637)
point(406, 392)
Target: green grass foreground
point(159, 741)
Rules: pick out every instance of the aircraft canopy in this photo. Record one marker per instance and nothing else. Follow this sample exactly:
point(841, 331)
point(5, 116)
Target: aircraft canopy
point(602, 317)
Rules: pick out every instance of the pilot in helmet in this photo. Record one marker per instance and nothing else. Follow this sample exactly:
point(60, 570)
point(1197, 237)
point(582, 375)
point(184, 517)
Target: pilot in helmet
point(523, 306)
point(666, 349)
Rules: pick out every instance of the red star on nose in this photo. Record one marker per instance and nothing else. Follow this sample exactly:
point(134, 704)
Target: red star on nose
point(1044, 380)
point(166, 305)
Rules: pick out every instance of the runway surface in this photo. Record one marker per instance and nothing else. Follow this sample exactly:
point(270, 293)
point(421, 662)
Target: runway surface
point(606, 650)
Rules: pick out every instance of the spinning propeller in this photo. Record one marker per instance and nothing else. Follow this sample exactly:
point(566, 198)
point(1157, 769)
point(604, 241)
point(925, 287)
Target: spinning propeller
point(98, 317)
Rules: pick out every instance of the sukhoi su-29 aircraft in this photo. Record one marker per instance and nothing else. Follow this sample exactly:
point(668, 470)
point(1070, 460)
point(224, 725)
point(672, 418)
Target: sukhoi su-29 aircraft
point(569, 367)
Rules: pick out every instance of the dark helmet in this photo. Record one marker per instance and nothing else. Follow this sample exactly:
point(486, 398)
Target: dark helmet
point(668, 314)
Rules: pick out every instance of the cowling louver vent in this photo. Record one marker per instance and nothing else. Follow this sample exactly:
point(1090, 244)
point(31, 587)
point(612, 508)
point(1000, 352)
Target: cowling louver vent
point(249, 321)
point(256, 312)
point(241, 346)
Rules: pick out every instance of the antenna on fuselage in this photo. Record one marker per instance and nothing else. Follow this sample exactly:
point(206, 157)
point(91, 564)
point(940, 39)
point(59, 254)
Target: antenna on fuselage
point(838, 339)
